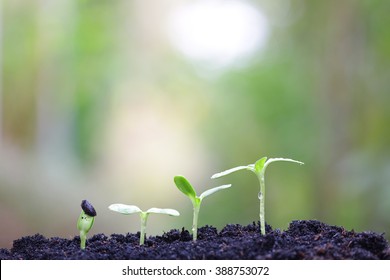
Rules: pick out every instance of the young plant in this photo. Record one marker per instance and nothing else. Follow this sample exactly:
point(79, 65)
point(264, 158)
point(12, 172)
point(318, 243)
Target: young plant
point(258, 168)
point(85, 221)
point(185, 187)
point(131, 209)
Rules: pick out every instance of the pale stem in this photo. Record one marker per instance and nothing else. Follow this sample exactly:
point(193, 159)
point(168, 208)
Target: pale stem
point(195, 222)
point(83, 239)
point(262, 199)
point(144, 218)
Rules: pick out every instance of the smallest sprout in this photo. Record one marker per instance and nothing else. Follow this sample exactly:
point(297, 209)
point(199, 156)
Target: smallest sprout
point(85, 221)
point(131, 209)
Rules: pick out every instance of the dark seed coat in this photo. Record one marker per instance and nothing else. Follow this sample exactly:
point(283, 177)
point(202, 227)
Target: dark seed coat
point(88, 208)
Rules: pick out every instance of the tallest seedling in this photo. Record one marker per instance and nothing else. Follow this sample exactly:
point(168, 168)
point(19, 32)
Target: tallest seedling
point(258, 168)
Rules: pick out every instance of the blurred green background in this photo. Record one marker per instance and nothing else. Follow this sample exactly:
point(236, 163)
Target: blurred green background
point(109, 100)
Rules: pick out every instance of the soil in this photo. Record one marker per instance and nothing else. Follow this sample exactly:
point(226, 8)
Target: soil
point(306, 240)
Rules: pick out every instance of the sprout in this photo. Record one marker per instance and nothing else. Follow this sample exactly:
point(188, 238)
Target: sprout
point(85, 221)
point(130, 209)
point(258, 168)
point(185, 187)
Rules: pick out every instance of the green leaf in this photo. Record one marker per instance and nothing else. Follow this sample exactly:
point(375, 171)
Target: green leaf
point(213, 190)
point(184, 186)
point(124, 209)
point(259, 165)
point(231, 170)
point(166, 211)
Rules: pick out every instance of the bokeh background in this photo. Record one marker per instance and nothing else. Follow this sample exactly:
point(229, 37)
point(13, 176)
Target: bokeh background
point(109, 100)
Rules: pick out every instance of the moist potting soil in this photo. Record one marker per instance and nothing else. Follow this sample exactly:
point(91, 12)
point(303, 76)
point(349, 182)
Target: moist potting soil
point(303, 240)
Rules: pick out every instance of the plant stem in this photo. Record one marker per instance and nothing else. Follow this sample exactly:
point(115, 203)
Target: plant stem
point(144, 218)
point(262, 199)
point(195, 222)
point(83, 239)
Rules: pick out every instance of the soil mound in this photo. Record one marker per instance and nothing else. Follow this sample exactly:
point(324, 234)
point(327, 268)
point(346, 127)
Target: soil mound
point(305, 240)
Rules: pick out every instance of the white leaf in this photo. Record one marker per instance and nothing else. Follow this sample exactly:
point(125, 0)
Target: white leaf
point(213, 190)
point(124, 209)
point(231, 170)
point(167, 211)
point(279, 159)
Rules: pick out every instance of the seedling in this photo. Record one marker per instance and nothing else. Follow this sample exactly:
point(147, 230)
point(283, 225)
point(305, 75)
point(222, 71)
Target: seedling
point(131, 209)
point(185, 187)
point(85, 221)
point(258, 168)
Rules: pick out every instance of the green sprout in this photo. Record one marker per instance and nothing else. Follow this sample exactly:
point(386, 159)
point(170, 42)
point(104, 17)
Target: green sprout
point(258, 168)
point(85, 221)
point(185, 187)
point(131, 209)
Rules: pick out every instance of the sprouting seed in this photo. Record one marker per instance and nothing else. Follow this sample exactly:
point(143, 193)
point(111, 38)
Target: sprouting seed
point(85, 221)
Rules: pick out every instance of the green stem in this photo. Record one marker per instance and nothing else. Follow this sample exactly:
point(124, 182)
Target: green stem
point(84, 224)
point(195, 221)
point(83, 239)
point(144, 218)
point(262, 199)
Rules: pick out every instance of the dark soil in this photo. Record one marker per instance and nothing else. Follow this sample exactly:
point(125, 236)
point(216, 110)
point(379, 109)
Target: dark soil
point(302, 240)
